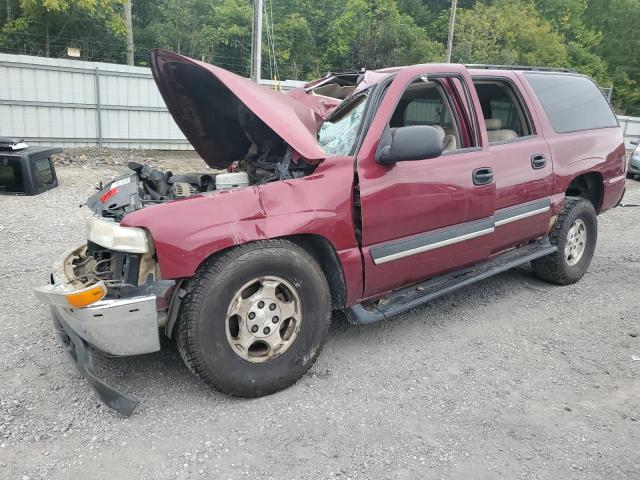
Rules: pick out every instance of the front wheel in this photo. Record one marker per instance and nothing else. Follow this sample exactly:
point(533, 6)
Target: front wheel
point(255, 318)
point(575, 235)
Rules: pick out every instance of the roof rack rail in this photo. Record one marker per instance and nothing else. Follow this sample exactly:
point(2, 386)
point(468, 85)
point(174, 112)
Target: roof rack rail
point(519, 67)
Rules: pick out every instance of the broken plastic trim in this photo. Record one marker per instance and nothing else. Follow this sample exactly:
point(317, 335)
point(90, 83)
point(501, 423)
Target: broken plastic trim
point(80, 354)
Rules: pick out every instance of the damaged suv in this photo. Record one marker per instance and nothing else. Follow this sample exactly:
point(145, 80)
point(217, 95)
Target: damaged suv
point(368, 193)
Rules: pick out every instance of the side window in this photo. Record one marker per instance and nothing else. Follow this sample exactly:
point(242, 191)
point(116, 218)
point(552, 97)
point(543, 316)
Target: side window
point(504, 115)
point(572, 102)
point(10, 175)
point(425, 103)
point(43, 171)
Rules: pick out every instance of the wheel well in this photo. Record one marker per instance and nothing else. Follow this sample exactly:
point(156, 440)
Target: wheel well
point(323, 252)
point(589, 186)
point(320, 249)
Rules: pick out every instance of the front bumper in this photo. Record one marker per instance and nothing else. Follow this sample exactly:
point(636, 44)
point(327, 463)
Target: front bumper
point(634, 165)
point(122, 327)
point(80, 354)
point(119, 327)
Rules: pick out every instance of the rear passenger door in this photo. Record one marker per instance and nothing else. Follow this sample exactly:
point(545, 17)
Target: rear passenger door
point(521, 161)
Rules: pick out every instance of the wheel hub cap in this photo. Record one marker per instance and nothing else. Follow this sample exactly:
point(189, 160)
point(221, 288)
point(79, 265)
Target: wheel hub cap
point(576, 242)
point(263, 319)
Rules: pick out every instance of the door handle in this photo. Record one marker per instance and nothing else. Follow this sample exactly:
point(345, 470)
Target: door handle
point(482, 176)
point(538, 161)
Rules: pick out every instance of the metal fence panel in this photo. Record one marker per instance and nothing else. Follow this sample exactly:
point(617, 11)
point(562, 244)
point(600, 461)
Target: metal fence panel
point(74, 104)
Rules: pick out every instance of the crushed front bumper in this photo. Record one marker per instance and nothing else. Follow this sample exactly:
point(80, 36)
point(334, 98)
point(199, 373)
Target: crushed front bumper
point(79, 351)
point(119, 327)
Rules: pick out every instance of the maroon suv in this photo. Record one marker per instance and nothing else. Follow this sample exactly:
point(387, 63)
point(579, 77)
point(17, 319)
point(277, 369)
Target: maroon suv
point(368, 193)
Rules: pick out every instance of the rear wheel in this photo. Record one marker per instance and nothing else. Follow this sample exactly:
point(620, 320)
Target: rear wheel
point(255, 318)
point(575, 235)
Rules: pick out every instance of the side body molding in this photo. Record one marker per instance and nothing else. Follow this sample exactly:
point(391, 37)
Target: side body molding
point(457, 233)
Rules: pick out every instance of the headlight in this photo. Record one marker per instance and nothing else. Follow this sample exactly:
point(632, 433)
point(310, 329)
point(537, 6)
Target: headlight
point(636, 152)
point(114, 237)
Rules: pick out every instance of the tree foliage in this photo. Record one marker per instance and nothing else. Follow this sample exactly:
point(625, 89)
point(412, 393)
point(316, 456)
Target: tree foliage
point(374, 34)
point(48, 27)
point(617, 20)
point(507, 33)
point(306, 38)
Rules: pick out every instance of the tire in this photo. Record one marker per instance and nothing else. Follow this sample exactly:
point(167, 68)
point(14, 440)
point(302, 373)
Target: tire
point(557, 267)
point(204, 333)
point(630, 176)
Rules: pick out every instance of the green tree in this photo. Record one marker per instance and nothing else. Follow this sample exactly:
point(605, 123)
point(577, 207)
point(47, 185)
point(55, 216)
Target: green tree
point(568, 19)
point(294, 48)
point(510, 33)
point(228, 30)
point(617, 21)
point(374, 34)
point(179, 27)
point(47, 27)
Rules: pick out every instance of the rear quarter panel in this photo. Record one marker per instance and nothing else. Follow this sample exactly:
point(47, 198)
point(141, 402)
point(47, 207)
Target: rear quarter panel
point(576, 153)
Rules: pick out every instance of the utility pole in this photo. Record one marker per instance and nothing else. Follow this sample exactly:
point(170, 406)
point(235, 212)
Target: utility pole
point(452, 25)
point(256, 43)
point(9, 11)
point(129, 22)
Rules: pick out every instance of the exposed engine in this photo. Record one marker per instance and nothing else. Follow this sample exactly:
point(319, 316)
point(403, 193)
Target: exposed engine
point(145, 186)
point(148, 186)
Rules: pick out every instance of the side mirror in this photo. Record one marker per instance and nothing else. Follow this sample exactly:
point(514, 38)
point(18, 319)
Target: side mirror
point(416, 142)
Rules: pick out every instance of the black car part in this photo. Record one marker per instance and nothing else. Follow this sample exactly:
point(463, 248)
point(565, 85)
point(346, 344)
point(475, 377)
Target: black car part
point(28, 170)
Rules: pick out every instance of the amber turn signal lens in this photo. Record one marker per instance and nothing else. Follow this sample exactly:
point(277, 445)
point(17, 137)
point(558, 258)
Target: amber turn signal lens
point(87, 296)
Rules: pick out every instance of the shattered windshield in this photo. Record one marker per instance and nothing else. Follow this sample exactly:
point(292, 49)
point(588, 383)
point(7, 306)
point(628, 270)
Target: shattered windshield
point(338, 136)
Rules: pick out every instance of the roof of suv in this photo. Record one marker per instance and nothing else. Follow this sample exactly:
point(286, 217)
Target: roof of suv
point(373, 77)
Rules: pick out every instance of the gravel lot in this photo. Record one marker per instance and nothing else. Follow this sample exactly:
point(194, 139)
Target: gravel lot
point(511, 378)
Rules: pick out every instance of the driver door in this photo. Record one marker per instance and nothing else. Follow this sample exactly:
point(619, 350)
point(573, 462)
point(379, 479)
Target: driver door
point(423, 218)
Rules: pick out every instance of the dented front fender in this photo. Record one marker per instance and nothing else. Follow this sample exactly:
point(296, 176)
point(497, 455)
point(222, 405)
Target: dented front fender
point(186, 232)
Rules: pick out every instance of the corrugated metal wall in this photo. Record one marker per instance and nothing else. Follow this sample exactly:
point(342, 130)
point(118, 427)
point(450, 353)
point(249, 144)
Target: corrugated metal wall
point(74, 104)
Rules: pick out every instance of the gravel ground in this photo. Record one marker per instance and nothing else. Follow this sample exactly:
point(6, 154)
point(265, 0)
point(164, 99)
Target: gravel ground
point(511, 378)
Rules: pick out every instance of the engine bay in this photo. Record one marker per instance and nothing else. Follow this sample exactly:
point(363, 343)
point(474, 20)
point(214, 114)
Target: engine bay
point(146, 185)
point(232, 124)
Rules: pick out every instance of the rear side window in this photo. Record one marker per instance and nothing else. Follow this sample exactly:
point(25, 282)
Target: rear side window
point(572, 102)
point(43, 171)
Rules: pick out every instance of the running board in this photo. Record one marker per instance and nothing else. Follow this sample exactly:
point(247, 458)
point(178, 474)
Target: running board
point(406, 298)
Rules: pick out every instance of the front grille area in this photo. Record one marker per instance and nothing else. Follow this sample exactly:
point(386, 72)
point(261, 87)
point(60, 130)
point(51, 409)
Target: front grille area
point(113, 267)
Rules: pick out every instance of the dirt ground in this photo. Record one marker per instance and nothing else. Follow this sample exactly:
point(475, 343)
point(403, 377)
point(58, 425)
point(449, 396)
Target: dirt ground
point(511, 378)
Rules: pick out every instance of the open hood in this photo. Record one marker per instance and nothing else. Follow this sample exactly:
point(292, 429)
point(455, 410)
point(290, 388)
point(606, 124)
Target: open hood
point(223, 114)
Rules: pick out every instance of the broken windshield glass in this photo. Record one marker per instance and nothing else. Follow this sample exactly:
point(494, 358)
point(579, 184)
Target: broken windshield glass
point(338, 136)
